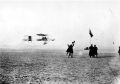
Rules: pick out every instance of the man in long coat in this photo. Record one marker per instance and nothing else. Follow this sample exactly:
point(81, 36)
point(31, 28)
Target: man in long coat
point(95, 51)
point(91, 51)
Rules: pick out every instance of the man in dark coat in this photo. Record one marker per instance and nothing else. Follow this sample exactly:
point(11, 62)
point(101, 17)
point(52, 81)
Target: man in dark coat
point(91, 51)
point(95, 51)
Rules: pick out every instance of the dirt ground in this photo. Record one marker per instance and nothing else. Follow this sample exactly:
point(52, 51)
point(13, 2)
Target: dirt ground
point(54, 67)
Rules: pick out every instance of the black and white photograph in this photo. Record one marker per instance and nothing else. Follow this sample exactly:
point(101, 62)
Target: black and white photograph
point(59, 42)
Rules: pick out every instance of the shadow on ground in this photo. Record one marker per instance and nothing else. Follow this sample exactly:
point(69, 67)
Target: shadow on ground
point(105, 56)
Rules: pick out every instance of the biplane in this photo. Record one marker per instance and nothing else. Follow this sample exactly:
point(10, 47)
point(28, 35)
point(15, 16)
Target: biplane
point(44, 37)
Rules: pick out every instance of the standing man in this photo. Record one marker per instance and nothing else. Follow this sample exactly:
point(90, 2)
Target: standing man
point(95, 51)
point(91, 51)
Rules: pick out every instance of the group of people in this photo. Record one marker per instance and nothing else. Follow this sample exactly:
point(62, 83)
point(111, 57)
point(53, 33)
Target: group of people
point(70, 50)
point(93, 51)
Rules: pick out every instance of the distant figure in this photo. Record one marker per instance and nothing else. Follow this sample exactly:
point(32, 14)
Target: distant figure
point(70, 50)
point(119, 51)
point(95, 51)
point(86, 48)
point(91, 51)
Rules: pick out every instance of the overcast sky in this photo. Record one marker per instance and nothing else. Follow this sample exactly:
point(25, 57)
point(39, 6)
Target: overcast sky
point(65, 21)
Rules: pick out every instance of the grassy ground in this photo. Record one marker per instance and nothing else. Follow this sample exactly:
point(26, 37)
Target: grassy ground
point(53, 67)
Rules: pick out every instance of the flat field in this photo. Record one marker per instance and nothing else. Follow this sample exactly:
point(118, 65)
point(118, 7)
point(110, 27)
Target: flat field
point(54, 67)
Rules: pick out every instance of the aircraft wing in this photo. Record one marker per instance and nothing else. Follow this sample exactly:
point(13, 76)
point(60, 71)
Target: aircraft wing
point(41, 34)
point(39, 39)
